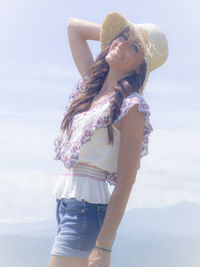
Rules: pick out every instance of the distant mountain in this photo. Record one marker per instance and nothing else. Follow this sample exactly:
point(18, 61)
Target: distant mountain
point(156, 252)
point(176, 220)
point(20, 251)
point(146, 237)
point(33, 229)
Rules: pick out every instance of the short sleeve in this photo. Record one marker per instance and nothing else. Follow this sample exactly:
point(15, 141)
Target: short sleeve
point(143, 107)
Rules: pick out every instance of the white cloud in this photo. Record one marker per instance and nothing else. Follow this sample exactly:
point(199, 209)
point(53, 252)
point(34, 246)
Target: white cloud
point(170, 173)
point(26, 196)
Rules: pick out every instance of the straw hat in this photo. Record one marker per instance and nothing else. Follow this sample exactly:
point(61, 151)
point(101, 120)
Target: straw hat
point(152, 38)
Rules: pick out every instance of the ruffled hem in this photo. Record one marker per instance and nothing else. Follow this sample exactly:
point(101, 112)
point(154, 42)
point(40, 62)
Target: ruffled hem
point(91, 190)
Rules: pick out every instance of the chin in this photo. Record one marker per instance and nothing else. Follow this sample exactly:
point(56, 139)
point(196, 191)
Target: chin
point(111, 61)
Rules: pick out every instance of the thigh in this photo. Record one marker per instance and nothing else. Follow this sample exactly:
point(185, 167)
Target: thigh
point(66, 261)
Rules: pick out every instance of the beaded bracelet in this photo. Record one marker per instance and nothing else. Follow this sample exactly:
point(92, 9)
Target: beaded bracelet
point(104, 249)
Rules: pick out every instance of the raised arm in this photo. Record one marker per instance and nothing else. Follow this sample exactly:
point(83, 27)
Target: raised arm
point(79, 31)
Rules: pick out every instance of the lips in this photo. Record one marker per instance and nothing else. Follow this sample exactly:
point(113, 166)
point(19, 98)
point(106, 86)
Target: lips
point(114, 51)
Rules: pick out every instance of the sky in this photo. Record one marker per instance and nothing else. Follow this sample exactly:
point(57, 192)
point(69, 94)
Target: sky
point(37, 75)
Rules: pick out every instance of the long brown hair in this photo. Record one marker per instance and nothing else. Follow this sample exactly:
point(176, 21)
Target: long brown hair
point(93, 83)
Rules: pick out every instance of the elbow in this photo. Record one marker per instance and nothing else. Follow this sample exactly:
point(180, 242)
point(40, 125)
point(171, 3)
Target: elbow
point(125, 185)
point(70, 22)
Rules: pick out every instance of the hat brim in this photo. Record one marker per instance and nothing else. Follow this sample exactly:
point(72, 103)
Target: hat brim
point(113, 24)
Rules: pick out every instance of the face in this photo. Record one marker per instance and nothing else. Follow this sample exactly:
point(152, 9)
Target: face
point(125, 54)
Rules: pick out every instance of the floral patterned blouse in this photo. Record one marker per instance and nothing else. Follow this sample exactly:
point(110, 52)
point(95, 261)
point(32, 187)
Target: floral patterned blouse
point(88, 141)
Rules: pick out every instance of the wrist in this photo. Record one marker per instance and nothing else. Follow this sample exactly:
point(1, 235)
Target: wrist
point(104, 244)
point(102, 249)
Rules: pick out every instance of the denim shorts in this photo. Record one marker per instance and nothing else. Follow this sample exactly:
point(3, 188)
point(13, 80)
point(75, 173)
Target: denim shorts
point(78, 226)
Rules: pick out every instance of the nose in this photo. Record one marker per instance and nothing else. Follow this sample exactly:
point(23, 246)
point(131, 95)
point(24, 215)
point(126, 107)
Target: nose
point(121, 45)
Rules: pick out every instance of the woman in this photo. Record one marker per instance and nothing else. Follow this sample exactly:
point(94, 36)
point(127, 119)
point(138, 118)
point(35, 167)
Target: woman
point(104, 134)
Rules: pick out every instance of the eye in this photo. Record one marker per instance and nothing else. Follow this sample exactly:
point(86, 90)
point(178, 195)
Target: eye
point(135, 48)
point(123, 35)
point(126, 38)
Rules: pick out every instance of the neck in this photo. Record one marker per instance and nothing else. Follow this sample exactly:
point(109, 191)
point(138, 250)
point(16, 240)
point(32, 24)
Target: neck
point(111, 78)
